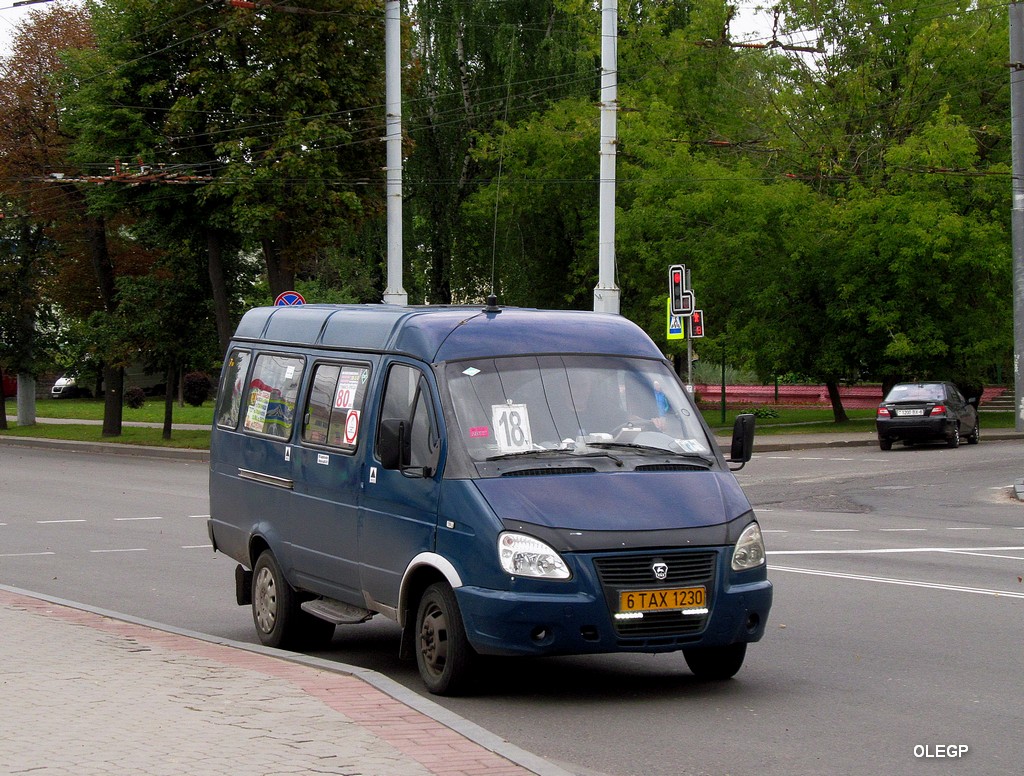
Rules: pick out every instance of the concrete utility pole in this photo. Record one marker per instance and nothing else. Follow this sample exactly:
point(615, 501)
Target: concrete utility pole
point(606, 293)
point(1017, 211)
point(394, 293)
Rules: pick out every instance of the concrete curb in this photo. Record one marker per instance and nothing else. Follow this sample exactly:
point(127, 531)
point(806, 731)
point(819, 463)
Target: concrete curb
point(110, 448)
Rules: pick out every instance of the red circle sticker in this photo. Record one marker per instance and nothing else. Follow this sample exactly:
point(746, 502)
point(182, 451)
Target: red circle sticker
point(352, 427)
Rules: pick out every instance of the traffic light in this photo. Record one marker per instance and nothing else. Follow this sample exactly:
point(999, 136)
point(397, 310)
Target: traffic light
point(680, 300)
point(697, 324)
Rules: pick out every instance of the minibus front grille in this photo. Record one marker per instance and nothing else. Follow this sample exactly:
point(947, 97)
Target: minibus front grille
point(637, 570)
point(540, 472)
point(620, 573)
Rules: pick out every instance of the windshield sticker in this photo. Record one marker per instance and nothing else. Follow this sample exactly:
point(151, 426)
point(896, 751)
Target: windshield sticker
point(471, 371)
point(348, 384)
point(479, 432)
point(511, 427)
point(691, 446)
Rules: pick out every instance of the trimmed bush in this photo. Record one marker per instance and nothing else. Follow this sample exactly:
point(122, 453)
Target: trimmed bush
point(134, 397)
point(198, 388)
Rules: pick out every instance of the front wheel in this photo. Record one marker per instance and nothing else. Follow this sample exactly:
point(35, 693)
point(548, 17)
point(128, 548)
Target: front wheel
point(444, 655)
point(716, 663)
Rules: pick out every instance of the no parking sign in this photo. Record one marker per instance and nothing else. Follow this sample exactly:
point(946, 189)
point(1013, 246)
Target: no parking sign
point(289, 299)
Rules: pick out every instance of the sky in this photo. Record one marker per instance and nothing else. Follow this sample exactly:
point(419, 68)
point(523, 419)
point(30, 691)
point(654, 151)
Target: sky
point(748, 22)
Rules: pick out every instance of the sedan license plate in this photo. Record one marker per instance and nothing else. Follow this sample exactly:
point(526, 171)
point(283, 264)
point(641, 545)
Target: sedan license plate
point(662, 600)
point(905, 413)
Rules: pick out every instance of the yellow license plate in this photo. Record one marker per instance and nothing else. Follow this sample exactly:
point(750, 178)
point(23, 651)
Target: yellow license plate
point(662, 600)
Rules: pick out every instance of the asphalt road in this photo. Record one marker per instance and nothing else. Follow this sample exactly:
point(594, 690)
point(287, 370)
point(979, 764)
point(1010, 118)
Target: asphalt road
point(897, 631)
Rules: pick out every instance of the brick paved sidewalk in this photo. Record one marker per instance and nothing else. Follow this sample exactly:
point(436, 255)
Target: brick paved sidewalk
point(83, 694)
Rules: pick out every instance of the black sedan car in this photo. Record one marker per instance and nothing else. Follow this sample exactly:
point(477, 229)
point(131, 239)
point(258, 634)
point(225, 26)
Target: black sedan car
point(921, 412)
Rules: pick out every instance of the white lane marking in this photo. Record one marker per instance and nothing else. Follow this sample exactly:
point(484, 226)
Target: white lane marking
point(985, 555)
point(895, 550)
point(969, 528)
point(25, 554)
point(127, 549)
point(48, 522)
point(198, 515)
point(773, 530)
point(127, 519)
point(904, 582)
point(835, 530)
point(197, 546)
point(902, 530)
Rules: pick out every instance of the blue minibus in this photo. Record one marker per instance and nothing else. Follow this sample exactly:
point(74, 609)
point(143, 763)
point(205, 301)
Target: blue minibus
point(498, 481)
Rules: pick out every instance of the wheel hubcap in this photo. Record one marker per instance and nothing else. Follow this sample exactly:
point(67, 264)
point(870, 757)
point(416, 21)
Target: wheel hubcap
point(434, 640)
point(265, 601)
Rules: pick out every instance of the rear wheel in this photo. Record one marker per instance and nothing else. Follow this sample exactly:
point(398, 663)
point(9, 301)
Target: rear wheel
point(953, 440)
point(716, 663)
point(885, 444)
point(276, 612)
point(975, 436)
point(444, 655)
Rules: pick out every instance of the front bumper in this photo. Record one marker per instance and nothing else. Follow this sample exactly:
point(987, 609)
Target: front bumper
point(580, 620)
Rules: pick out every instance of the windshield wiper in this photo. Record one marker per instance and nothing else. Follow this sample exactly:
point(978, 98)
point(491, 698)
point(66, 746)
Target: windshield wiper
point(548, 451)
point(652, 449)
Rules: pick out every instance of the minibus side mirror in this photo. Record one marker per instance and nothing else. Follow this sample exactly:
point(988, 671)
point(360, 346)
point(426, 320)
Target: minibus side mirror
point(742, 448)
point(393, 444)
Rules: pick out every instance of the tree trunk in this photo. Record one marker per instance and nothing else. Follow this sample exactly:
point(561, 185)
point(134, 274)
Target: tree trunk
point(169, 383)
point(280, 270)
point(96, 231)
point(838, 413)
point(113, 399)
point(3, 402)
point(215, 266)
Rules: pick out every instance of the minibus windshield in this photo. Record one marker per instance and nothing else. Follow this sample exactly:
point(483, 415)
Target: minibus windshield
point(579, 405)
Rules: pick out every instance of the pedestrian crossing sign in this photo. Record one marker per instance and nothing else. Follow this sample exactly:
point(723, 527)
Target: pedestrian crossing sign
point(676, 328)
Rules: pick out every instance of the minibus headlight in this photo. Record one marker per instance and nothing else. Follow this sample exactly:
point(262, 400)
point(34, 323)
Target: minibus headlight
point(749, 550)
point(525, 556)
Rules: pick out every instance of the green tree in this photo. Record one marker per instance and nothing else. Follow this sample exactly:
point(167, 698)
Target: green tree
point(479, 68)
point(32, 145)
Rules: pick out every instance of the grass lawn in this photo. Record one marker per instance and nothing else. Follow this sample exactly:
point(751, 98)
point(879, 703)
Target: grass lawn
point(92, 409)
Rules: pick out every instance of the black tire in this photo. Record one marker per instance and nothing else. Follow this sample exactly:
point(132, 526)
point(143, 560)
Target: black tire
point(716, 663)
point(975, 436)
point(276, 612)
point(885, 444)
point(444, 656)
point(953, 440)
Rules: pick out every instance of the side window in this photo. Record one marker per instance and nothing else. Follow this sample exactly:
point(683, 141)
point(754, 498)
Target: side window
point(407, 398)
point(272, 392)
point(335, 409)
point(229, 401)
